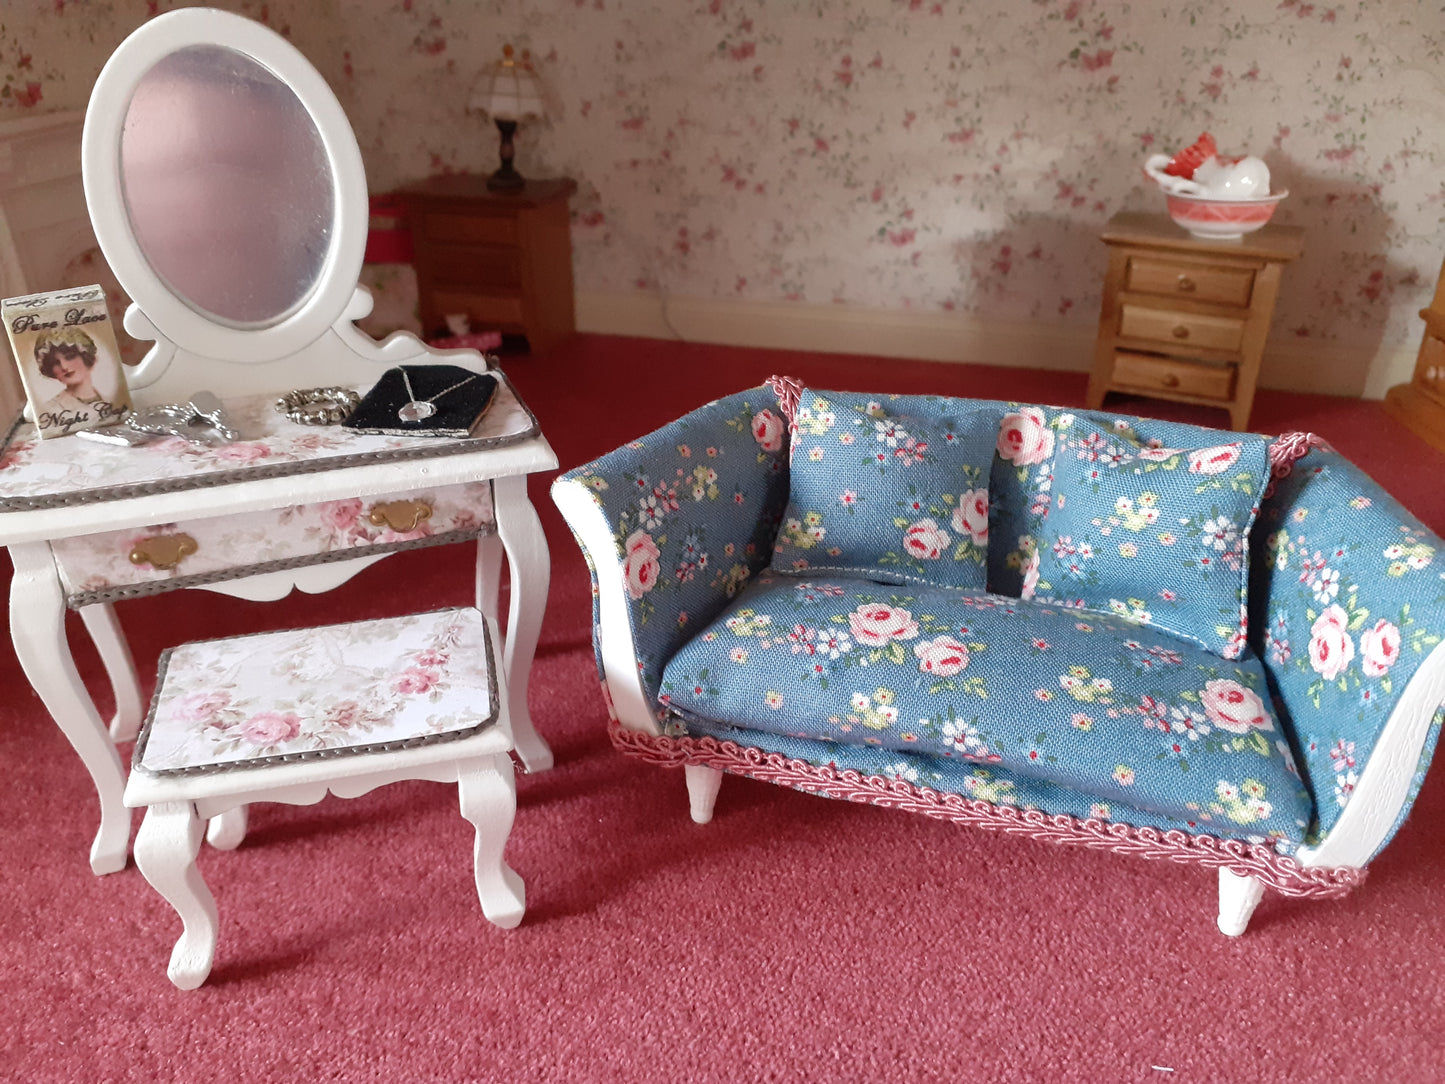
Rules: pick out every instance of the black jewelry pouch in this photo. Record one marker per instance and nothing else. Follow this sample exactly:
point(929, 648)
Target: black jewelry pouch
point(459, 402)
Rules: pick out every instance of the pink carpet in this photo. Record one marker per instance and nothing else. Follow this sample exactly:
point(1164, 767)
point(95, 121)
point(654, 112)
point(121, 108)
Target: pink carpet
point(794, 938)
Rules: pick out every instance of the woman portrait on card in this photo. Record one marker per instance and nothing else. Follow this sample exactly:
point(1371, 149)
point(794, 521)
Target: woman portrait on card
point(92, 391)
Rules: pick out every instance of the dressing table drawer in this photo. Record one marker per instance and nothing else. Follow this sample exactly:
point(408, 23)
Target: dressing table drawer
point(167, 556)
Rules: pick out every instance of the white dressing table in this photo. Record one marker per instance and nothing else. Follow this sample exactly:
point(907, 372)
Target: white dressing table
point(226, 190)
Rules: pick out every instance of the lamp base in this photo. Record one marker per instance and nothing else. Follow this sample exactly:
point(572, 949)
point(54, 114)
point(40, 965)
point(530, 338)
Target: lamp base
point(506, 179)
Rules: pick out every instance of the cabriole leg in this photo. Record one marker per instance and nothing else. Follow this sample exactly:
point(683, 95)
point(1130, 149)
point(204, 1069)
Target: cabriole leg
point(37, 627)
point(489, 574)
point(1238, 897)
point(530, 567)
point(165, 850)
point(487, 789)
point(100, 621)
point(702, 787)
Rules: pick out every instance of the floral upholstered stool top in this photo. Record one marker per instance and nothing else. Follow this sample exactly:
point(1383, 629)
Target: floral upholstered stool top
point(290, 716)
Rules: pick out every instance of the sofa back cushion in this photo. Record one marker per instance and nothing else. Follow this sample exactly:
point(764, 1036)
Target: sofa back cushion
point(894, 488)
point(1347, 606)
point(1150, 520)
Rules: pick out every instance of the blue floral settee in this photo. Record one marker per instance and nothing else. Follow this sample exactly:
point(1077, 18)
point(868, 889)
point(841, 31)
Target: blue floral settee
point(1106, 631)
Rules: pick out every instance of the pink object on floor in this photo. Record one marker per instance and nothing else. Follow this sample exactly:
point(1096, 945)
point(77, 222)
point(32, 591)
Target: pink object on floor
point(474, 340)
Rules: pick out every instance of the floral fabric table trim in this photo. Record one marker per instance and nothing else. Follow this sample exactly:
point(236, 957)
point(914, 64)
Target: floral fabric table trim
point(36, 474)
point(1277, 871)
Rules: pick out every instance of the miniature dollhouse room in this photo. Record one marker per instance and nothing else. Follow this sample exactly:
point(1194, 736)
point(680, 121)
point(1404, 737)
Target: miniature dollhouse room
point(616, 212)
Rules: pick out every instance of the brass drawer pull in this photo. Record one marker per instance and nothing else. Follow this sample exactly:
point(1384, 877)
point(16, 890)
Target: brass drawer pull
point(400, 515)
point(1180, 331)
point(162, 551)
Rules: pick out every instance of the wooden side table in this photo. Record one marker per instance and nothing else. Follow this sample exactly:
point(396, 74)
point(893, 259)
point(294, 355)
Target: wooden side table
point(1420, 404)
point(502, 258)
point(1185, 318)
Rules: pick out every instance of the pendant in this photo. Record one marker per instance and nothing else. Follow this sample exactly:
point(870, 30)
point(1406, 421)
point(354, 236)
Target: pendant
point(416, 411)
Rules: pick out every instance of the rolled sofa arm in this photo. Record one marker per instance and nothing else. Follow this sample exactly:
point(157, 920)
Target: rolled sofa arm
point(1347, 613)
point(673, 525)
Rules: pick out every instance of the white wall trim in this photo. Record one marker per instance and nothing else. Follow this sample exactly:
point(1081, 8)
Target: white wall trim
point(1290, 365)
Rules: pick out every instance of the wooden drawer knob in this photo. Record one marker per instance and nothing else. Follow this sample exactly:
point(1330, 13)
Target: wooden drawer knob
point(1180, 331)
point(1185, 284)
point(400, 515)
point(1171, 381)
point(162, 551)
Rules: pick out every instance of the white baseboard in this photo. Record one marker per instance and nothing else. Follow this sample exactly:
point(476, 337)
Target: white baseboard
point(1325, 369)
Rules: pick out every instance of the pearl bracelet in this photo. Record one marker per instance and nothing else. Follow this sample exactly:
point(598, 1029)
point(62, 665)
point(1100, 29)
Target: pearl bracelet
point(318, 406)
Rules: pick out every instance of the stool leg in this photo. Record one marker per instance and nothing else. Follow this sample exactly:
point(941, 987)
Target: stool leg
point(226, 830)
point(487, 788)
point(165, 850)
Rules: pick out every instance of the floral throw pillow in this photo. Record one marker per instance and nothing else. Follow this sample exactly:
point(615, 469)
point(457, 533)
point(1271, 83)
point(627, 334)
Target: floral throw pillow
point(893, 488)
point(1154, 527)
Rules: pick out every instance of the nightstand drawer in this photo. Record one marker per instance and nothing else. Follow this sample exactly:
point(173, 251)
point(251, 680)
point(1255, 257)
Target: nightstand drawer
point(481, 308)
point(1181, 329)
point(1224, 285)
point(146, 560)
point(470, 228)
point(476, 265)
point(1145, 372)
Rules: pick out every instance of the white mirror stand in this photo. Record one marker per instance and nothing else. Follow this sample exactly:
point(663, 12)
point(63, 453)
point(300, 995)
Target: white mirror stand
point(303, 334)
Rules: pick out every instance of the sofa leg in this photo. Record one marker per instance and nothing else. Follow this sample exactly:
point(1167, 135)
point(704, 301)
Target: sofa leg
point(702, 787)
point(1238, 897)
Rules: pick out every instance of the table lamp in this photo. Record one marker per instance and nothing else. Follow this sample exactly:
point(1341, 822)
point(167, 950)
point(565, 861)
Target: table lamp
point(510, 92)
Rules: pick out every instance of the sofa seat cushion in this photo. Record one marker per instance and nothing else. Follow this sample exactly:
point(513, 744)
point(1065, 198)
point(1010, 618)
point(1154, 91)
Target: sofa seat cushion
point(1091, 702)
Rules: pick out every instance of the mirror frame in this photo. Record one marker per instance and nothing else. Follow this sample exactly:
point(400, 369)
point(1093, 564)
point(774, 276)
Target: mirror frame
point(172, 317)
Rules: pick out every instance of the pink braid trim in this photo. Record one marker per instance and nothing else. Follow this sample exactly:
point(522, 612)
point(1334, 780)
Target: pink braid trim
point(1285, 451)
point(1245, 859)
point(788, 389)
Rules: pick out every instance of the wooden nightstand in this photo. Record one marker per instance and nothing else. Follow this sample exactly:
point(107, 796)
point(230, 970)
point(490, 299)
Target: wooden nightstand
point(1185, 318)
point(502, 258)
point(1420, 404)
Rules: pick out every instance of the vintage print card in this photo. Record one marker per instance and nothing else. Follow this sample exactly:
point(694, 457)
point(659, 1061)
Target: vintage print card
point(69, 361)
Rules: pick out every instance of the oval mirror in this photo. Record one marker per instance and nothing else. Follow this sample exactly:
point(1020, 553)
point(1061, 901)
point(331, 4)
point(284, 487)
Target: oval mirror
point(227, 187)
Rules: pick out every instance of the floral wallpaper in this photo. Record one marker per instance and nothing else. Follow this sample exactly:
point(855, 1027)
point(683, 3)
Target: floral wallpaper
point(941, 157)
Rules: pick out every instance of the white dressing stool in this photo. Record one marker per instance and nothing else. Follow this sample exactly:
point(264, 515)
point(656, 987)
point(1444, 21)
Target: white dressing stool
point(290, 716)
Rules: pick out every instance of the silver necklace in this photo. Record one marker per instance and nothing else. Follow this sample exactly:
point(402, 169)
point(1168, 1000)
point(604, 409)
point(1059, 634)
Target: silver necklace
point(414, 409)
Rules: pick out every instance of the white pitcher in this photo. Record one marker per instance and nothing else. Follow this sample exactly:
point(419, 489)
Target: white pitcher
point(1215, 178)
